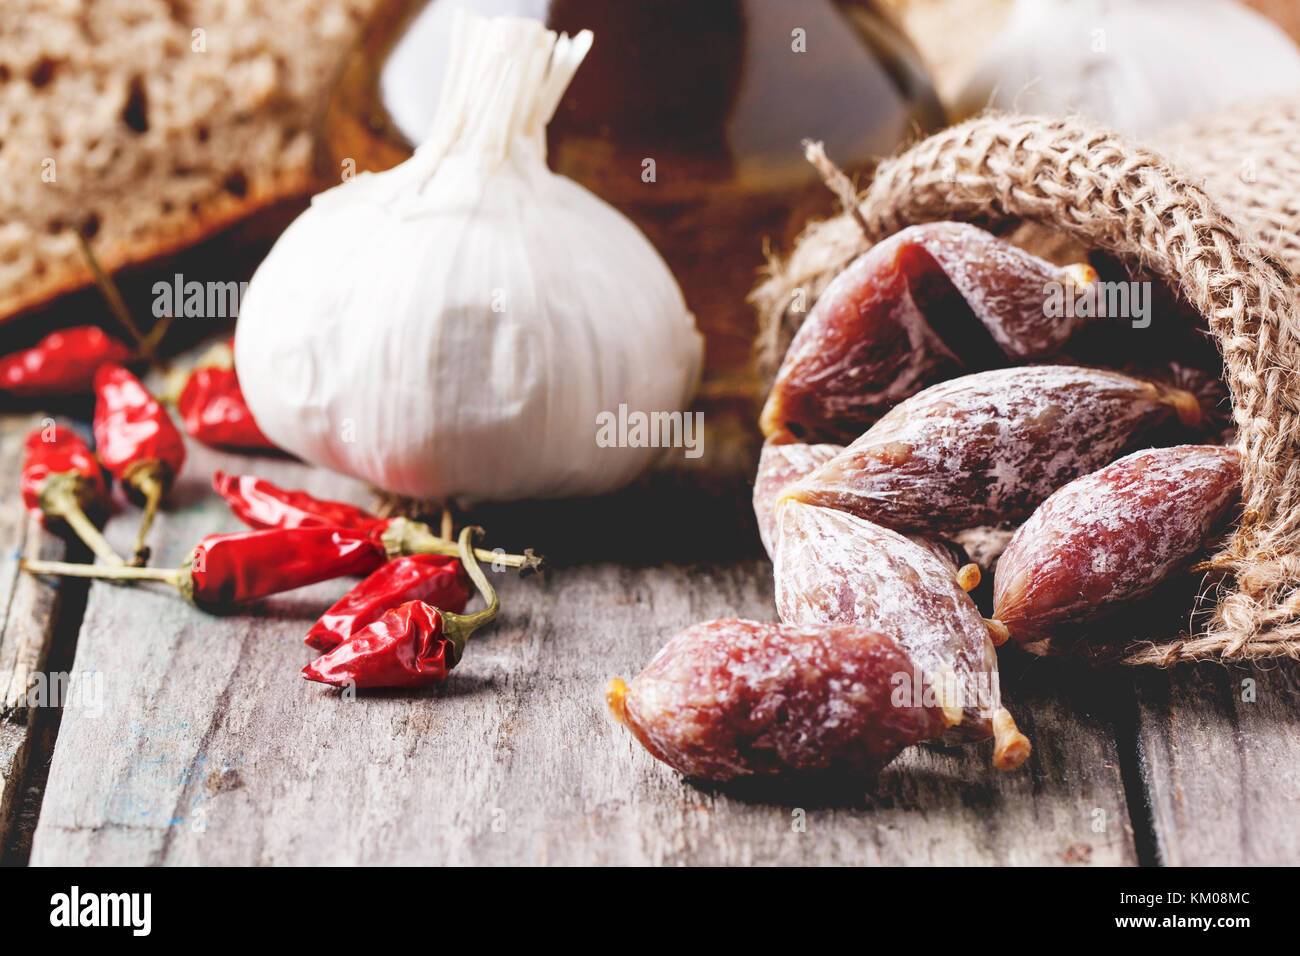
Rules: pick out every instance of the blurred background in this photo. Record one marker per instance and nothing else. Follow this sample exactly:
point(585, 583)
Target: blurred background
point(180, 138)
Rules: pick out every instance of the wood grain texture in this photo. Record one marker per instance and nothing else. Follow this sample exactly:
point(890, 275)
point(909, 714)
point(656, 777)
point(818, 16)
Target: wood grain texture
point(208, 748)
point(1220, 762)
point(30, 611)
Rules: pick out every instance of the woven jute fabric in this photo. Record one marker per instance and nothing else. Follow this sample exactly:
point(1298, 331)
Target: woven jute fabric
point(1249, 160)
point(1219, 223)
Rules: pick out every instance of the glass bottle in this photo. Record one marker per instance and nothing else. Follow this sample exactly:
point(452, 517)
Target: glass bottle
point(687, 115)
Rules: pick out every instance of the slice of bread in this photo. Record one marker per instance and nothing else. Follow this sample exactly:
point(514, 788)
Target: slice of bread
point(149, 124)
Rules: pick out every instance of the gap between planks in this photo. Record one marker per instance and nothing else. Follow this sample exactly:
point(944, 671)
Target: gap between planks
point(38, 627)
point(209, 749)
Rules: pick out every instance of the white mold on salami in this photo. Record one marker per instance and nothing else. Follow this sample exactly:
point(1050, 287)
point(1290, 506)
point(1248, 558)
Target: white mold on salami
point(988, 448)
point(930, 302)
point(778, 467)
point(1113, 536)
point(834, 568)
point(733, 698)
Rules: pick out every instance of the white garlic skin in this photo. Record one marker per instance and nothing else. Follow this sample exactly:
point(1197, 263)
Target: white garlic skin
point(1137, 66)
point(370, 340)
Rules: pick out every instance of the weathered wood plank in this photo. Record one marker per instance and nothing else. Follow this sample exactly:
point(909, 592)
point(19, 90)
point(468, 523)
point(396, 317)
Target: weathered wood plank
point(30, 611)
point(1220, 758)
point(208, 748)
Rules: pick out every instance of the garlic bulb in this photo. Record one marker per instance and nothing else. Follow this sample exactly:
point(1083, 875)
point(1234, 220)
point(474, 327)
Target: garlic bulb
point(1135, 65)
point(455, 326)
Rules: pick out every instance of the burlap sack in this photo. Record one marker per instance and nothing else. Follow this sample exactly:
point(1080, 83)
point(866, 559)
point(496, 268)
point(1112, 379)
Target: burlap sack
point(1219, 219)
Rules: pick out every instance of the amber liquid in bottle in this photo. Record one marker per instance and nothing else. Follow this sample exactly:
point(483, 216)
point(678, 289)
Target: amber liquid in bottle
point(687, 115)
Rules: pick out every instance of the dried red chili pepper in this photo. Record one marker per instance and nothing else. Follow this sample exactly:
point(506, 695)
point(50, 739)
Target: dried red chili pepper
point(227, 569)
point(260, 504)
point(414, 645)
point(137, 442)
point(432, 578)
point(62, 363)
point(62, 481)
point(212, 406)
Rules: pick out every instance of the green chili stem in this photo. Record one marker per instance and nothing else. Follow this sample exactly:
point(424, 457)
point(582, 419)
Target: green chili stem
point(64, 496)
point(458, 627)
point(87, 532)
point(468, 559)
point(111, 294)
point(125, 572)
point(148, 485)
point(149, 347)
point(405, 536)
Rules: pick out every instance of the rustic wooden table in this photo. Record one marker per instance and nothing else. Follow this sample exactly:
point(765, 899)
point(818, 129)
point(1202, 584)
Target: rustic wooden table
point(190, 738)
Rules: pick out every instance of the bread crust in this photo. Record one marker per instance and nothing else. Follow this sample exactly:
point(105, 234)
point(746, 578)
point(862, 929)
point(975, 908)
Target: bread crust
point(155, 146)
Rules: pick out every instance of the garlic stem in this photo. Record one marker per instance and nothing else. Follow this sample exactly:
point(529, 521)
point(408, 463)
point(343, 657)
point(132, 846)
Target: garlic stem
point(615, 698)
point(945, 684)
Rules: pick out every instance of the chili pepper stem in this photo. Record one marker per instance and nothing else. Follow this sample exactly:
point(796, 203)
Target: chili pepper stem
point(124, 572)
point(458, 627)
point(404, 536)
point(145, 345)
point(147, 483)
point(65, 507)
point(85, 529)
point(111, 294)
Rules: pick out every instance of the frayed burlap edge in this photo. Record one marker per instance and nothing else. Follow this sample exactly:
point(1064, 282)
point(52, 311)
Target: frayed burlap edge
point(1127, 200)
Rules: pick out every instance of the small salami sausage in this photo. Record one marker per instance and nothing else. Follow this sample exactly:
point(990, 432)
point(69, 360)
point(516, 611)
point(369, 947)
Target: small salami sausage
point(1209, 387)
point(779, 466)
point(733, 698)
point(988, 448)
point(782, 465)
point(926, 304)
point(835, 568)
point(1113, 536)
